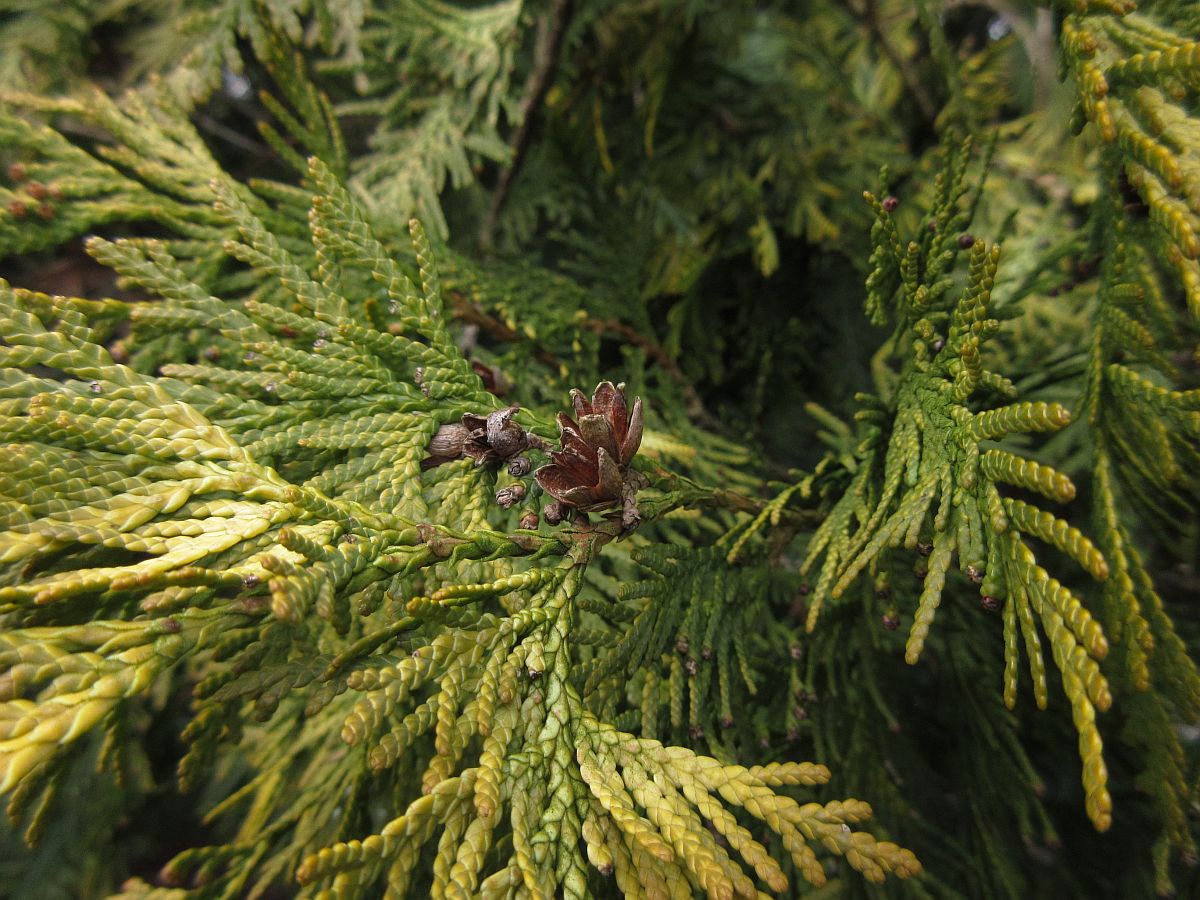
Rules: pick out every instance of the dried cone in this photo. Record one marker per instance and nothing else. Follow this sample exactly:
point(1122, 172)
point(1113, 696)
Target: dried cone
point(591, 470)
point(483, 439)
point(494, 436)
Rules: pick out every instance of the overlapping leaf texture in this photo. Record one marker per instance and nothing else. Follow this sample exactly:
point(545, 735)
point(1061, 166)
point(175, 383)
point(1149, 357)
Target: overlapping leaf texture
point(156, 507)
point(270, 521)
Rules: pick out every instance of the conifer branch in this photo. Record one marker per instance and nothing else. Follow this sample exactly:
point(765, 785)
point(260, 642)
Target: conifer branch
point(924, 481)
point(418, 641)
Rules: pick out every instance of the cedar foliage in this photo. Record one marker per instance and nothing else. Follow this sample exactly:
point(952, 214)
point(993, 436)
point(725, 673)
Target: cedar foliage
point(285, 608)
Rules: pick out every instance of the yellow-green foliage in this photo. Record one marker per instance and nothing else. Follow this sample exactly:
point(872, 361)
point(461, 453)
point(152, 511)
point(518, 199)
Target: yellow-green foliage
point(1133, 78)
point(247, 502)
point(352, 578)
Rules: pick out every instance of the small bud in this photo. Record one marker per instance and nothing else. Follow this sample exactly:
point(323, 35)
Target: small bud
point(519, 466)
point(505, 436)
point(510, 496)
point(17, 209)
point(706, 653)
point(924, 548)
point(726, 722)
point(792, 735)
point(937, 345)
point(211, 353)
point(966, 241)
point(691, 666)
point(288, 331)
point(56, 192)
point(251, 580)
point(552, 513)
point(169, 626)
point(799, 713)
point(695, 732)
point(319, 343)
point(891, 620)
point(95, 387)
point(17, 172)
point(801, 695)
point(46, 211)
point(682, 645)
point(921, 571)
point(797, 652)
point(446, 445)
point(805, 589)
point(973, 572)
point(36, 190)
point(764, 743)
point(890, 203)
point(529, 521)
point(991, 604)
point(348, 539)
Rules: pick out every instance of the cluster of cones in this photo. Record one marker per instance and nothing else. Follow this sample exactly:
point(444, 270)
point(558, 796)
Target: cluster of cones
point(590, 472)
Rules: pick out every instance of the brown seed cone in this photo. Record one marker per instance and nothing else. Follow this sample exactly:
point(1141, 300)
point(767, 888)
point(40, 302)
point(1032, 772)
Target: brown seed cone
point(591, 470)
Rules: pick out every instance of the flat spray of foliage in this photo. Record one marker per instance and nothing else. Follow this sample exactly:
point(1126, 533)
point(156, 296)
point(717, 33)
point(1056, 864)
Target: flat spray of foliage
point(414, 638)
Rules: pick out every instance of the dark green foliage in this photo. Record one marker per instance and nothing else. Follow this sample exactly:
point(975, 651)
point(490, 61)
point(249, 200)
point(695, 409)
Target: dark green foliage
point(284, 609)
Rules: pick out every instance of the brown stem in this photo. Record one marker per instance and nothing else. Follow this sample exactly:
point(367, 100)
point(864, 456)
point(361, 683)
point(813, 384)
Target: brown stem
point(550, 33)
point(467, 311)
point(695, 406)
point(868, 15)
